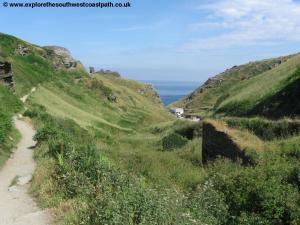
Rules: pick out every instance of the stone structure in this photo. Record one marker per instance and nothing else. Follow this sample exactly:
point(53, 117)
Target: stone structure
point(112, 98)
point(178, 112)
point(62, 58)
point(6, 74)
point(21, 50)
point(92, 70)
point(218, 141)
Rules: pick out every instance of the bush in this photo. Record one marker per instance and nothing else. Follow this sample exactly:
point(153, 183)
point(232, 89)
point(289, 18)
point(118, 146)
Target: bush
point(266, 129)
point(190, 130)
point(98, 85)
point(173, 141)
point(34, 111)
point(100, 192)
point(265, 194)
point(5, 126)
point(208, 204)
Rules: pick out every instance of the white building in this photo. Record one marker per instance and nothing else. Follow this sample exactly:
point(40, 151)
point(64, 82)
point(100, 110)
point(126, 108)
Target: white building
point(178, 112)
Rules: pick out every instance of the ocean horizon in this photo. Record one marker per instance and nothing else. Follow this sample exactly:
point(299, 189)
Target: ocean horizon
point(171, 91)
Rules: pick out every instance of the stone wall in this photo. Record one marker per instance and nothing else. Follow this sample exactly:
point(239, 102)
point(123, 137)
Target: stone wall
point(218, 141)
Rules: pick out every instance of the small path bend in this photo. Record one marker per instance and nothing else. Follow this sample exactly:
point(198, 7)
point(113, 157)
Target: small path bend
point(16, 205)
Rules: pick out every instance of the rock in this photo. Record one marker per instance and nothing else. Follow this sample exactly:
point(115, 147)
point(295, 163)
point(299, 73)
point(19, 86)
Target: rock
point(21, 50)
point(13, 189)
point(24, 180)
point(113, 98)
point(6, 73)
point(141, 91)
point(33, 90)
point(62, 58)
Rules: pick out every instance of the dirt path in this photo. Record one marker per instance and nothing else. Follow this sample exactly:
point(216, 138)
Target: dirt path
point(16, 206)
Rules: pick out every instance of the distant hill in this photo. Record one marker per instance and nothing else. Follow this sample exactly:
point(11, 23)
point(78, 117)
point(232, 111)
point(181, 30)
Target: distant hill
point(267, 87)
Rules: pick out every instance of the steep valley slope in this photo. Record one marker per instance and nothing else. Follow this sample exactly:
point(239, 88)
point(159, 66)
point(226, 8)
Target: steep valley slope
point(256, 88)
point(95, 128)
point(108, 152)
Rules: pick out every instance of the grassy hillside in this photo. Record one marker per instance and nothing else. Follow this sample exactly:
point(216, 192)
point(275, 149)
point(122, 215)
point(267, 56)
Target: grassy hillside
point(268, 191)
point(9, 104)
point(273, 93)
point(229, 87)
point(109, 153)
point(103, 154)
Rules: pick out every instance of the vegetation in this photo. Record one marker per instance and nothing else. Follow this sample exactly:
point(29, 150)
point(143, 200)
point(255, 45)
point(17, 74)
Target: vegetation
point(238, 90)
point(267, 193)
point(250, 98)
point(100, 191)
point(267, 129)
point(130, 162)
point(8, 135)
point(173, 141)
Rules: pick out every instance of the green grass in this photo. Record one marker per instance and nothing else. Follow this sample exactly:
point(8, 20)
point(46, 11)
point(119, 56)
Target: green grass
point(8, 135)
point(120, 132)
point(102, 162)
point(6, 147)
point(205, 100)
point(62, 105)
point(75, 172)
point(124, 133)
point(246, 96)
point(266, 129)
point(267, 193)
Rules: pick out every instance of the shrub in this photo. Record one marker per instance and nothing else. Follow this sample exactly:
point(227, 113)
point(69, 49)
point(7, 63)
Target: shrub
point(208, 204)
point(98, 85)
point(266, 129)
point(190, 130)
point(100, 192)
point(34, 111)
point(173, 141)
point(5, 125)
point(265, 194)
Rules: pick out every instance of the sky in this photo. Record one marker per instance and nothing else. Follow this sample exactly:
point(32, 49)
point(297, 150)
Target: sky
point(189, 40)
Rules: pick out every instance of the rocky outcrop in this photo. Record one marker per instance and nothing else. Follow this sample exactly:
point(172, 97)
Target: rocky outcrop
point(22, 50)
point(62, 58)
point(6, 74)
point(220, 141)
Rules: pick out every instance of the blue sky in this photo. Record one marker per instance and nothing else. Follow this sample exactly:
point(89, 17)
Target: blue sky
point(166, 39)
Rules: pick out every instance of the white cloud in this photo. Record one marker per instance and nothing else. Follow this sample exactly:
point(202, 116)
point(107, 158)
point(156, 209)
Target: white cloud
point(247, 22)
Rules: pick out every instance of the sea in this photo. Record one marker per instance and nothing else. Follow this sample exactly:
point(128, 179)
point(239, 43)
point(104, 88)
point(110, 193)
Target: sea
point(171, 91)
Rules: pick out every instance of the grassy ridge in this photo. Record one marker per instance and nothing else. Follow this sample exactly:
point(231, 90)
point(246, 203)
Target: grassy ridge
point(238, 82)
point(246, 97)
